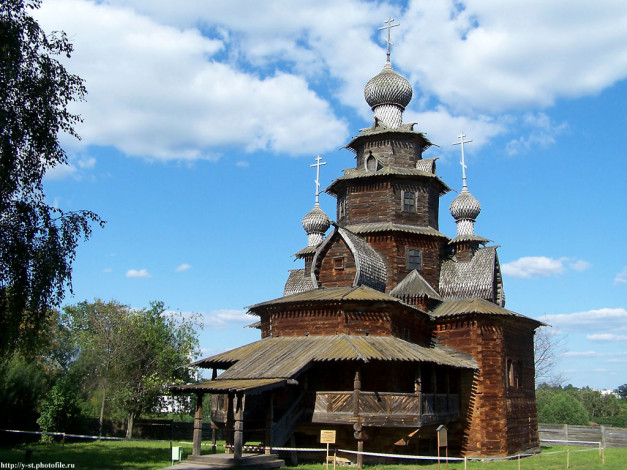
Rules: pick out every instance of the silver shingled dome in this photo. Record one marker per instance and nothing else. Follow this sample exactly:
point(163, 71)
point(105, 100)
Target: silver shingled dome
point(388, 87)
point(465, 206)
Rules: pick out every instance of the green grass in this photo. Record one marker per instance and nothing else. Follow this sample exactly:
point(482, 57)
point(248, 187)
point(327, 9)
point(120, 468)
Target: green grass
point(156, 455)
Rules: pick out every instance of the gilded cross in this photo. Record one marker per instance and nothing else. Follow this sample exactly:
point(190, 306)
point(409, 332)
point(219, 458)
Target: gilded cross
point(389, 26)
point(318, 164)
point(463, 162)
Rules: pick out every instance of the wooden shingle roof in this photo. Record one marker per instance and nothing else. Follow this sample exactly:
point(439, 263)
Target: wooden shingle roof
point(285, 357)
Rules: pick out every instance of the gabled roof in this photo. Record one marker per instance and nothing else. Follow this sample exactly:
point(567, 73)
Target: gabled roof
point(361, 173)
point(460, 307)
point(414, 285)
point(370, 266)
point(332, 295)
point(477, 277)
point(298, 281)
point(286, 357)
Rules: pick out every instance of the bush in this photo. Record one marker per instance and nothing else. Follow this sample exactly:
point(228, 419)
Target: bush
point(563, 409)
point(61, 410)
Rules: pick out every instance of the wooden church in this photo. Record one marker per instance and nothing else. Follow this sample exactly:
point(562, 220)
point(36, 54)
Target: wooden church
point(392, 328)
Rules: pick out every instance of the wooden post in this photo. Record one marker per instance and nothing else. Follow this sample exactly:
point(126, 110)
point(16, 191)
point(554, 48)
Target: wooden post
point(360, 457)
point(356, 390)
point(418, 388)
point(197, 439)
point(230, 424)
point(238, 437)
point(214, 428)
point(269, 424)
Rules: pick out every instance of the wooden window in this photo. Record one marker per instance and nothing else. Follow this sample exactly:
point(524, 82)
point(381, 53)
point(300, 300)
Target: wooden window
point(414, 259)
point(341, 207)
point(514, 374)
point(371, 163)
point(338, 262)
point(409, 201)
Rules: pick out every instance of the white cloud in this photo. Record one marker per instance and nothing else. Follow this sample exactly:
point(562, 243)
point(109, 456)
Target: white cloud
point(621, 277)
point(580, 265)
point(157, 91)
point(183, 80)
point(603, 320)
point(542, 134)
point(223, 318)
point(529, 267)
point(107, 270)
point(183, 267)
point(138, 273)
point(605, 337)
point(534, 266)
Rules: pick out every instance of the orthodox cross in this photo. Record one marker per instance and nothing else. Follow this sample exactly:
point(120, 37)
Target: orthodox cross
point(463, 162)
point(318, 164)
point(389, 26)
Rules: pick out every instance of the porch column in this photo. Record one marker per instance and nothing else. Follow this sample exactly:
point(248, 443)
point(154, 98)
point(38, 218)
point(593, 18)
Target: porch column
point(197, 425)
point(418, 388)
point(239, 426)
point(230, 424)
point(359, 434)
point(269, 424)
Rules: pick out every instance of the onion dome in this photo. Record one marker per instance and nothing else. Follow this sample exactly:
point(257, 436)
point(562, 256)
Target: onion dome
point(465, 208)
point(316, 223)
point(388, 93)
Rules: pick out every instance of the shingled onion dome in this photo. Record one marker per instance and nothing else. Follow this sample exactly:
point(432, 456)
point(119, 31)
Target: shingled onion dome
point(465, 209)
point(388, 93)
point(316, 223)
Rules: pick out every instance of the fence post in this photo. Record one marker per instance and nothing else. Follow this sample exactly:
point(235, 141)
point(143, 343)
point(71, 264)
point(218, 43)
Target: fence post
point(567, 458)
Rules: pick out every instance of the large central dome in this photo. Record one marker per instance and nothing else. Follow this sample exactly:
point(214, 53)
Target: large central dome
point(388, 93)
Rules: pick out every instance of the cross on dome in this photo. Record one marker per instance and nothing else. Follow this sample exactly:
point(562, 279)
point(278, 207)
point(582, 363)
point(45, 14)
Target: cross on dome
point(463, 162)
point(389, 26)
point(318, 164)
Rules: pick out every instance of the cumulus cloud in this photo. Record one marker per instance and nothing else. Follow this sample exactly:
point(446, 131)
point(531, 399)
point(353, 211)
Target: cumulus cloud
point(183, 81)
point(529, 267)
point(142, 273)
point(157, 91)
point(621, 277)
point(219, 319)
point(183, 267)
point(603, 321)
point(604, 337)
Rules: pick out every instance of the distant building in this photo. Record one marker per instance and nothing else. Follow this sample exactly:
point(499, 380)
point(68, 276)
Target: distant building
point(391, 328)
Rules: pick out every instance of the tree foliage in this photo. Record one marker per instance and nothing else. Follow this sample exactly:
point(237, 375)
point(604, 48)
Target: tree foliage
point(131, 355)
point(37, 241)
point(60, 409)
point(564, 405)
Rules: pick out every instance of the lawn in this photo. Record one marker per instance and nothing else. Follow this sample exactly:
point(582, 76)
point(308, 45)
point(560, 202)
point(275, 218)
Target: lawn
point(156, 455)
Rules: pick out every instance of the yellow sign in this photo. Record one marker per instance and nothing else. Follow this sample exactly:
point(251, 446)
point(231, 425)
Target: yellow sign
point(327, 437)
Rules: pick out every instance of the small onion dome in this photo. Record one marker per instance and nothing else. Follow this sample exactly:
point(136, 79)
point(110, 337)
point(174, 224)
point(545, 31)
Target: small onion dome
point(316, 223)
point(465, 206)
point(388, 88)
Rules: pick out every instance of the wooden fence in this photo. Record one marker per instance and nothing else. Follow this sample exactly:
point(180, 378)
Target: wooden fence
point(607, 435)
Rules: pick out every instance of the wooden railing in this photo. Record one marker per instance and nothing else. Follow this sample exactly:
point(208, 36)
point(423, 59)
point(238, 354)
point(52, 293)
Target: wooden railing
point(383, 408)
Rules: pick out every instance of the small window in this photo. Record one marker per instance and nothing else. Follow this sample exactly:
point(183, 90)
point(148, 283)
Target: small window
point(341, 207)
point(409, 201)
point(514, 374)
point(338, 262)
point(371, 163)
point(414, 259)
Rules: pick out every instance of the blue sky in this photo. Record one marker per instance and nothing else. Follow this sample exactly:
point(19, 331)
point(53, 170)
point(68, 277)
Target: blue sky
point(203, 118)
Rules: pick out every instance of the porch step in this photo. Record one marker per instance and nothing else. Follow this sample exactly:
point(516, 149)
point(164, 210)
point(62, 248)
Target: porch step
point(228, 461)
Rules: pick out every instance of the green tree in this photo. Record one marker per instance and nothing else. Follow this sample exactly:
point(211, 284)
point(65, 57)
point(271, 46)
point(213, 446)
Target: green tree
point(61, 410)
point(563, 408)
point(37, 241)
point(622, 391)
point(22, 384)
point(133, 354)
